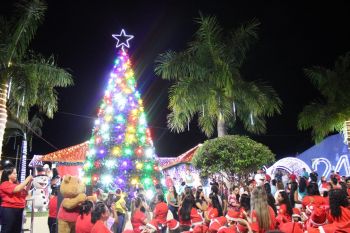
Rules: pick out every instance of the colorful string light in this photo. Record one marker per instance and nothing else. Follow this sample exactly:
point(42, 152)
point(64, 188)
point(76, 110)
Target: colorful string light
point(121, 152)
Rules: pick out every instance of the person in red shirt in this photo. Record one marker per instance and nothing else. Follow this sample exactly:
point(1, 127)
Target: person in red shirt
point(138, 216)
point(99, 216)
point(285, 211)
point(313, 196)
point(13, 196)
point(338, 205)
point(160, 211)
point(262, 216)
point(83, 223)
point(52, 219)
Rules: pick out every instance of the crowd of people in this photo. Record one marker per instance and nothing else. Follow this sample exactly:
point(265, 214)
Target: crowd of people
point(287, 203)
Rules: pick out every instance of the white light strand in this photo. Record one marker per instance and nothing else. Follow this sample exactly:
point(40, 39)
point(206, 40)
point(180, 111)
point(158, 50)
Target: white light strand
point(24, 159)
point(9, 88)
point(251, 119)
point(234, 109)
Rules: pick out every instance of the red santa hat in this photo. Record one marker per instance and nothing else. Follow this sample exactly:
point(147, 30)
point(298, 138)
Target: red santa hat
point(200, 229)
point(291, 227)
point(216, 223)
point(318, 217)
point(296, 213)
point(153, 224)
point(173, 224)
point(197, 221)
point(232, 215)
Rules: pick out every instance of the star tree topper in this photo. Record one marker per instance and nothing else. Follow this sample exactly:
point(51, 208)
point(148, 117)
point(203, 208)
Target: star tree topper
point(122, 39)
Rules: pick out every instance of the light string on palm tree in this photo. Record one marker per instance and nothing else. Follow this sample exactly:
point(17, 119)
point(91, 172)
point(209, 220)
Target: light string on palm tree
point(9, 88)
point(251, 119)
point(234, 109)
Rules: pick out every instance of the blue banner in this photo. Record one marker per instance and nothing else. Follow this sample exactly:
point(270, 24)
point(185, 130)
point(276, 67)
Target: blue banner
point(330, 154)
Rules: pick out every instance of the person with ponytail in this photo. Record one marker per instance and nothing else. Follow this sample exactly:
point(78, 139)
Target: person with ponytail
point(99, 216)
point(13, 200)
point(214, 209)
point(83, 223)
point(138, 216)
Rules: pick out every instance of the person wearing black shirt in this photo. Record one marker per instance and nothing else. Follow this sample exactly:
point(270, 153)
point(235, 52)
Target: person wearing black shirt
point(313, 176)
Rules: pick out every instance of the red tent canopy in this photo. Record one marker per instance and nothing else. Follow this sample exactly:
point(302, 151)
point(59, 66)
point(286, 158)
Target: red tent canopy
point(183, 158)
point(69, 160)
point(73, 154)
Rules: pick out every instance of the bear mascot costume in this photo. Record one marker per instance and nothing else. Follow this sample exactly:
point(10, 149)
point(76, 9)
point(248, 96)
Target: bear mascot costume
point(73, 192)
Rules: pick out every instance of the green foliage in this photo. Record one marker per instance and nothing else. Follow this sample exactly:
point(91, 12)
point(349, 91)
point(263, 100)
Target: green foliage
point(328, 115)
point(33, 78)
point(14, 128)
point(233, 155)
point(207, 80)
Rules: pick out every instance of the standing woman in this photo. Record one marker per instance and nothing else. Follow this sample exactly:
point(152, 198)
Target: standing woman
point(233, 199)
point(13, 197)
point(173, 200)
point(120, 207)
point(293, 194)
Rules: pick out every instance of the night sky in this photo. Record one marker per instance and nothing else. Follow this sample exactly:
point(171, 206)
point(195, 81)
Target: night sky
point(292, 35)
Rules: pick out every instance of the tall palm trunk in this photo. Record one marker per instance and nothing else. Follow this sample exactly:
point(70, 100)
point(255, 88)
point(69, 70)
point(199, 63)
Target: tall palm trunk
point(221, 126)
point(24, 157)
point(3, 112)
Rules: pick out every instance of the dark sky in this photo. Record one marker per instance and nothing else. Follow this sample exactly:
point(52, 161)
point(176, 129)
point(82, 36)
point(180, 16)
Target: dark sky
point(293, 36)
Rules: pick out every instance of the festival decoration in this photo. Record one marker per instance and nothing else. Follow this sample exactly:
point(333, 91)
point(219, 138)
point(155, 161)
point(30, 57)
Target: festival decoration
point(121, 152)
point(40, 192)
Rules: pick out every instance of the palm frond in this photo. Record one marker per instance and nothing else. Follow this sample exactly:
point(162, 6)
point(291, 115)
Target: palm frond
point(206, 124)
point(242, 39)
point(207, 79)
point(31, 15)
point(322, 119)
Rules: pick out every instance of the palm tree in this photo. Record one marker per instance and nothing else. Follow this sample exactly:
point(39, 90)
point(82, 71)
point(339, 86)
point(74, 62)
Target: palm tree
point(26, 131)
point(26, 79)
point(208, 83)
point(332, 113)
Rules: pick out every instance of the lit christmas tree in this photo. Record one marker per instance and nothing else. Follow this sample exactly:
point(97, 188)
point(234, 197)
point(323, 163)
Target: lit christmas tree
point(121, 152)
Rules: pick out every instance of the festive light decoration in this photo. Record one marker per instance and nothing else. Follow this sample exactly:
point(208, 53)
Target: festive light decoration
point(73, 154)
point(121, 152)
point(122, 43)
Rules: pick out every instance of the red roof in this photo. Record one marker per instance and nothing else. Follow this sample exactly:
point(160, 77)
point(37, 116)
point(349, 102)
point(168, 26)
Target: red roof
point(72, 154)
point(183, 158)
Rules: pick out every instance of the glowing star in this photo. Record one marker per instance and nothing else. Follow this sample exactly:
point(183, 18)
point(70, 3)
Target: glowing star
point(122, 39)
